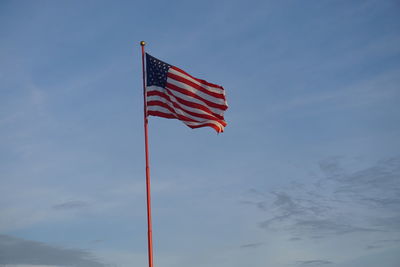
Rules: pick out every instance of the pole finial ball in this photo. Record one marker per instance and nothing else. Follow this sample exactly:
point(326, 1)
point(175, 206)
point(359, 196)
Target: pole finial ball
point(142, 43)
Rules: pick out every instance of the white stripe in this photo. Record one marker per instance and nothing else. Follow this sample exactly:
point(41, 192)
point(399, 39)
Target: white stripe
point(209, 88)
point(184, 86)
point(185, 97)
point(159, 108)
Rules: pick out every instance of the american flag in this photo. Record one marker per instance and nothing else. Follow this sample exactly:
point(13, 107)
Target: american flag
point(174, 94)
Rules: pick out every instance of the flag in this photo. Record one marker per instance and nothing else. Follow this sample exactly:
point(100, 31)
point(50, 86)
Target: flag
point(174, 94)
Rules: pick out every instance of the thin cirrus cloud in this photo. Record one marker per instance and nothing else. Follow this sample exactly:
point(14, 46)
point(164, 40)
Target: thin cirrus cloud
point(314, 262)
point(338, 203)
point(17, 251)
point(71, 205)
point(252, 245)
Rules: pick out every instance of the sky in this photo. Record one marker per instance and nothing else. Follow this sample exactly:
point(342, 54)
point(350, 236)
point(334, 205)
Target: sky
point(306, 174)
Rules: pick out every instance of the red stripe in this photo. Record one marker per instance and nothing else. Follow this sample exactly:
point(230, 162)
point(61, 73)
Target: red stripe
point(196, 86)
point(184, 102)
point(188, 93)
point(205, 125)
point(203, 116)
point(199, 80)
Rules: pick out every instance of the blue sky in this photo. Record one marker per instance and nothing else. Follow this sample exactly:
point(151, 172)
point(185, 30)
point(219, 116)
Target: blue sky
point(307, 172)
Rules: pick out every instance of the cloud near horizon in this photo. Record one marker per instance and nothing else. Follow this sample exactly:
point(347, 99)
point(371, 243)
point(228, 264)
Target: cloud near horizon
point(20, 252)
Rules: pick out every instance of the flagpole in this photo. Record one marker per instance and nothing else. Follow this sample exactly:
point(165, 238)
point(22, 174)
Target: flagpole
point(146, 144)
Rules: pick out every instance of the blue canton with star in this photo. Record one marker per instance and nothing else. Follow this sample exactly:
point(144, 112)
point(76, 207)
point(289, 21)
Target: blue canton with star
point(156, 71)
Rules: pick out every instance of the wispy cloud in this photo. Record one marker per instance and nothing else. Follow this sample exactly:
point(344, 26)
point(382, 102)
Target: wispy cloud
point(252, 245)
point(329, 227)
point(339, 202)
point(35, 205)
point(377, 89)
point(314, 262)
point(16, 251)
point(69, 205)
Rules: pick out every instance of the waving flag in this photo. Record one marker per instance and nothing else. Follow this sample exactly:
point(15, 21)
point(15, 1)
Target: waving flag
point(174, 94)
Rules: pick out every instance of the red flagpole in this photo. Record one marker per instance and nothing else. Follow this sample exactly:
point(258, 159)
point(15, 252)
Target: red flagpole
point(146, 144)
